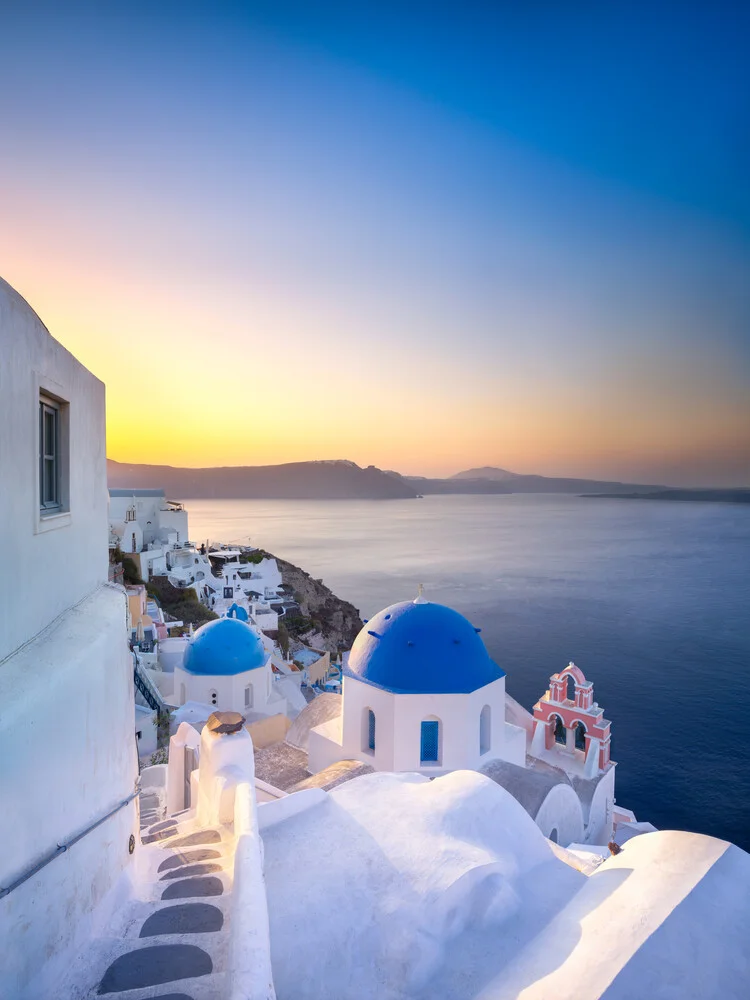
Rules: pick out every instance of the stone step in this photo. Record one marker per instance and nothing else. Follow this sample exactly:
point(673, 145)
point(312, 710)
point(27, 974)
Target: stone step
point(155, 965)
point(209, 987)
point(183, 918)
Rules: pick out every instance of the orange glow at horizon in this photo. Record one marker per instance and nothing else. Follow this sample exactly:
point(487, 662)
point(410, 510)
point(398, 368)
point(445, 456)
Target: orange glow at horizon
point(192, 382)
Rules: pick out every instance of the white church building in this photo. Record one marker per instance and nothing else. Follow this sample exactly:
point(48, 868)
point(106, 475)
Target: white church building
point(225, 665)
point(420, 693)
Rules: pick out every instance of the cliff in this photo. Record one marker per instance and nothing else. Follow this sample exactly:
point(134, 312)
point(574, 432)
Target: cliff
point(337, 620)
point(334, 480)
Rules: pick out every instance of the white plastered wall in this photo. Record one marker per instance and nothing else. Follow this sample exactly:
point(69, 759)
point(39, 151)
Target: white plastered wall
point(561, 812)
point(72, 546)
point(67, 743)
point(398, 719)
point(230, 690)
point(601, 811)
point(67, 740)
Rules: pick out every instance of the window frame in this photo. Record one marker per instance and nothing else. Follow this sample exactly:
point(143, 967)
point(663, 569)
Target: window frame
point(49, 407)
point(49, 395)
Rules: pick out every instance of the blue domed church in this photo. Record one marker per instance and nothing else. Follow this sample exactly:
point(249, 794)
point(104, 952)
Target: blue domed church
point(227, 667)
point(420, 693)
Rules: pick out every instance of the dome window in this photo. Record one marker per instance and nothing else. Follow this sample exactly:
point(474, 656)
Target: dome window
point(368, 731)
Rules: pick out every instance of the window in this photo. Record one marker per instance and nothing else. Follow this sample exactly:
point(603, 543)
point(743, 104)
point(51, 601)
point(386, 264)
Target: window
point(53, 465)
point(214, 697)
point(249, 696)
point(430, 742)
point(368, 731)
point(485, 730)
point(49, 455)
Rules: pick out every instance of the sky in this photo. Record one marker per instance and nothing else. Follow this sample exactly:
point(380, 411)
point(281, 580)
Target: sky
point(424, 236)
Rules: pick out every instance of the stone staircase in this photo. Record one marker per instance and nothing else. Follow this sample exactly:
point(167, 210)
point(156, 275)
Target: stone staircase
point(170, 942)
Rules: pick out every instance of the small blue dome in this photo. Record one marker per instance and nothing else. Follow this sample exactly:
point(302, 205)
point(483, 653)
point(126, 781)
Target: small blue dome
point(421, 648)
point(224, 647)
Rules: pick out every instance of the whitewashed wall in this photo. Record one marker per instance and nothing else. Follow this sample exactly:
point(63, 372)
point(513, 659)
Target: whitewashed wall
point(67, 739)
point(601, 811)
point(230, 690)
point(398, 720)
point(71, 547)
point(67, 746)
point(560, 816)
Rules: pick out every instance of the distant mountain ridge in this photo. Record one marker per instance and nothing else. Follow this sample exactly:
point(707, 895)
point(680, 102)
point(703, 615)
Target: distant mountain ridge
point(490, 479)
point(324, 480)
point(486, 472)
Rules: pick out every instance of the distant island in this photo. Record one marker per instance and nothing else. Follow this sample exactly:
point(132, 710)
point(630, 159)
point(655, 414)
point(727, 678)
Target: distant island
point(328, 480)
point(339, 479)
point(706, 496)
point(493, 480)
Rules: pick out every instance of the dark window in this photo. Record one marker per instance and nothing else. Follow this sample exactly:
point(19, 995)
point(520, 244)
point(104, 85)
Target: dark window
point(560, 734)
point(430, 742)
point(485, 731)
point(580, 731)
point(49, 455)
point(371, 730)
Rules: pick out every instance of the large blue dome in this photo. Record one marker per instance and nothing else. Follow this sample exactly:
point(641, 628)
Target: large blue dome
point(421, 648)
point(224, 647)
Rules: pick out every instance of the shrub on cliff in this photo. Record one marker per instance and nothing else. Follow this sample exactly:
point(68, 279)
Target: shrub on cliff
point(130, 571)
point(254, 557)
point(180, 604)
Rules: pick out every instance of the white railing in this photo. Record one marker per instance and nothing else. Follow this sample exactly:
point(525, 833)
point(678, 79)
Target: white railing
point(250, 973)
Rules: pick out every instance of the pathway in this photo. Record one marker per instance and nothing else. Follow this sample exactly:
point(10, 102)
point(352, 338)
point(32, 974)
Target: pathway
point(170, 942)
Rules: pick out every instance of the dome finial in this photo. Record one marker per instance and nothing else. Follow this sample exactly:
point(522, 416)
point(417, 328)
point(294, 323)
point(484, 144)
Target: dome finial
point(420, 598)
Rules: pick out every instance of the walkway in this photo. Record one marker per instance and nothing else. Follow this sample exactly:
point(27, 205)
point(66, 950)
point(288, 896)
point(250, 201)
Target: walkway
point(171, 941)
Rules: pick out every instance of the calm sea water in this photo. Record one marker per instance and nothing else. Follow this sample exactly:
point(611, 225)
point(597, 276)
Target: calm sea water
point(651, 600)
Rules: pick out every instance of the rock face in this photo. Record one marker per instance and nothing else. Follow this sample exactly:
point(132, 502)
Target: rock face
point(337, 620)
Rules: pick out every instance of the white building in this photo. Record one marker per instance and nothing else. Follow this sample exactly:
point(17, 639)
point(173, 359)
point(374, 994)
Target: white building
point(67, 741)
point(146, 526)
point(226, 666)
point(420, 693)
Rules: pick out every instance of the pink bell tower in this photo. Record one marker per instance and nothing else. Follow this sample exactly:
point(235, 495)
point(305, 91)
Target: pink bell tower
point(568, 719)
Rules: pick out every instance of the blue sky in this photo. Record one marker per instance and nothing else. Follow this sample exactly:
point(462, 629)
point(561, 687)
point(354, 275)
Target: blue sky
point(488, 233)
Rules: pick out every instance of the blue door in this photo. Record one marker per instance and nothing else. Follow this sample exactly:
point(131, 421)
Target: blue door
point(430, 743)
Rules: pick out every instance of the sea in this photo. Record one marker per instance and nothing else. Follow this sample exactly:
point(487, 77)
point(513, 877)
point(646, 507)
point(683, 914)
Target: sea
point(650, 598)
